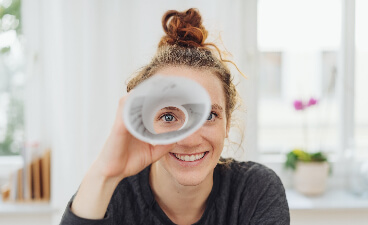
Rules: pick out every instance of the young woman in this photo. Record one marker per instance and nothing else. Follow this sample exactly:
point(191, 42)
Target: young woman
point(132, 182)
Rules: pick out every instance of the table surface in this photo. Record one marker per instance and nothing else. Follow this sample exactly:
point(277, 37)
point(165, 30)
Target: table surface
point(331, 199)
point(25, 208)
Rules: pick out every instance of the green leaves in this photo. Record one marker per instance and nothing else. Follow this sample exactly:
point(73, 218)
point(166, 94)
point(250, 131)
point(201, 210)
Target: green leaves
point(10, 19)
point(291, 161)
point(11, 139)
point(318, 157)
point(11, 145)
point(299, 155)
point(5, 50)
point(11, 14)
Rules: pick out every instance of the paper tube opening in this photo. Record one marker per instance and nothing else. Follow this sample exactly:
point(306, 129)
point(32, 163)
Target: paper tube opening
point(166, 109)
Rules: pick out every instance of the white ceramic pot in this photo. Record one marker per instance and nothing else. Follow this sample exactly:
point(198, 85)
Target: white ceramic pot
point(310, 177)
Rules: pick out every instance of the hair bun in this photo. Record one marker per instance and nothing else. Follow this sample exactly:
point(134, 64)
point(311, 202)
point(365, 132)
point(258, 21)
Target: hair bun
point(183, 28)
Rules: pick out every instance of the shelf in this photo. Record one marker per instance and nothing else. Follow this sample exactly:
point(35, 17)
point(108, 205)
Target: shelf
point(330, 200)
point(7, 208)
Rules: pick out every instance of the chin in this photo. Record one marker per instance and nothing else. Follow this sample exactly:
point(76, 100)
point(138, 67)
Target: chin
point(192, 178)
point(189, 182)
point(188, 175)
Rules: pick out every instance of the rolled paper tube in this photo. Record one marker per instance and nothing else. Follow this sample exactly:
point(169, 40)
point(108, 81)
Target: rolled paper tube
point(160, 92)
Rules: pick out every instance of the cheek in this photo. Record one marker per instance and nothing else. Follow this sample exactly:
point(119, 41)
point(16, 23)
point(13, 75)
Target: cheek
point(215, 135)
point(217, 128)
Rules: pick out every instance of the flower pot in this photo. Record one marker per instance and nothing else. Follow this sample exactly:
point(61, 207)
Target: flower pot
point(310, 177)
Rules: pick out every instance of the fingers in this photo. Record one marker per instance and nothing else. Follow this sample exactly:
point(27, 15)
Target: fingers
point(119, 126)
point(160, 150)
point(119, 113)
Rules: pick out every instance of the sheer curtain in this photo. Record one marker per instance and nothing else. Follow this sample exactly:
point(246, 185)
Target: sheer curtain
point(80, 54)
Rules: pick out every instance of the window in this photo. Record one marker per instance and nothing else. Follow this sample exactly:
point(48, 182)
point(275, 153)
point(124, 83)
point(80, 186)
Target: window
point(298, 47)
point(361, 79)
point(329, 72)
point(270, 74)
point(11, 78)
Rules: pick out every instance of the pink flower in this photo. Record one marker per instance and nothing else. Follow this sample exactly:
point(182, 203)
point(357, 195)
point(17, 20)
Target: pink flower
point(298, 105)
point(312, 101)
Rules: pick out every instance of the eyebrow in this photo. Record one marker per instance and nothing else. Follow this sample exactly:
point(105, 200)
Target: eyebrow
point(214, 107)
point(171, 108)
point(217, 107)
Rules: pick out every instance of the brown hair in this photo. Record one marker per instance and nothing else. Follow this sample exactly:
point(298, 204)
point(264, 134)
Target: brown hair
point(184, 45)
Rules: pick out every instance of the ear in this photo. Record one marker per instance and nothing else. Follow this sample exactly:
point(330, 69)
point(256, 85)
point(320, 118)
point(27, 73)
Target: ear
point(227, 129)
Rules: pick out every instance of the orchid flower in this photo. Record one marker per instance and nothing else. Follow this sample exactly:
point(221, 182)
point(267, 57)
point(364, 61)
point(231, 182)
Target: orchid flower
point(312, 101)
point(300, 105)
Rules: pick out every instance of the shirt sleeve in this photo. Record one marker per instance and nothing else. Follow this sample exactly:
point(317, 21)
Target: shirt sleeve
point(269, 199)
point(69, 218)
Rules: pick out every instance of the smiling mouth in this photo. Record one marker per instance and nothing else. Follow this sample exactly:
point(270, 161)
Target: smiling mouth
point(189, 158)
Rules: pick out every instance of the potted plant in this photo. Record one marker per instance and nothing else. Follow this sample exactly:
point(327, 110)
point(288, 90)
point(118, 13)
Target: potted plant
point(310, 171)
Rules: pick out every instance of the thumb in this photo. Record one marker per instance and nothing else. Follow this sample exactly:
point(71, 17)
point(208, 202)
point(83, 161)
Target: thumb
point(160, 150)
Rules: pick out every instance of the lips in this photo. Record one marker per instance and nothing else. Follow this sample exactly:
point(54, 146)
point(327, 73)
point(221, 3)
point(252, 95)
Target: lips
point(189, 157)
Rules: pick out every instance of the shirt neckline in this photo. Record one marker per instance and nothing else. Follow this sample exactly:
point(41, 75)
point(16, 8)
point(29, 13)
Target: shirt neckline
point(151, 202)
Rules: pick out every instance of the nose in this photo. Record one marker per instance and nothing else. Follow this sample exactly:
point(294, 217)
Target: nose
point(193, 140)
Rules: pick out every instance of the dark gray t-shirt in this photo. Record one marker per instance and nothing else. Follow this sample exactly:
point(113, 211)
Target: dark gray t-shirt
point(242, 193)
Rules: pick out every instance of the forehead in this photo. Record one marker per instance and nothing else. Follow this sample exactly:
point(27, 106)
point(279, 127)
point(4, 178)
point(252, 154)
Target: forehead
point(205, 78)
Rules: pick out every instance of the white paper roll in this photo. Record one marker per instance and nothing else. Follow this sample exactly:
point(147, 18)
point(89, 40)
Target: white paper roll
point(159, 92)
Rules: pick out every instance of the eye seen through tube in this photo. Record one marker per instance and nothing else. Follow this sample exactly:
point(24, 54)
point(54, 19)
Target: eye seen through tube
point(169, 119)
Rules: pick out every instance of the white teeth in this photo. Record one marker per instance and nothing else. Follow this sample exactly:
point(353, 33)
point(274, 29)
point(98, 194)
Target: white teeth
point(190, 158)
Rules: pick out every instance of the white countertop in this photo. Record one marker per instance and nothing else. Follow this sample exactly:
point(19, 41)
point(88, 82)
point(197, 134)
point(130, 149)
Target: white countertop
point(25, 208)
point(331, 199)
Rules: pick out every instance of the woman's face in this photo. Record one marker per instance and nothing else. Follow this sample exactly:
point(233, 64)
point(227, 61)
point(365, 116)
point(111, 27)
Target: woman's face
point(193, 159)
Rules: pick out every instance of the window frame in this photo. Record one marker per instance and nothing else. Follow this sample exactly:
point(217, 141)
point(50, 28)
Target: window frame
point(345, 87)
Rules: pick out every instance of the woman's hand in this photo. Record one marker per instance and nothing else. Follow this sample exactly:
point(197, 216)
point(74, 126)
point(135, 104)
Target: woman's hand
point(122, 155)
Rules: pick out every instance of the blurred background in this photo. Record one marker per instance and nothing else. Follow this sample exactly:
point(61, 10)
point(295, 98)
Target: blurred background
point(64, 65)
